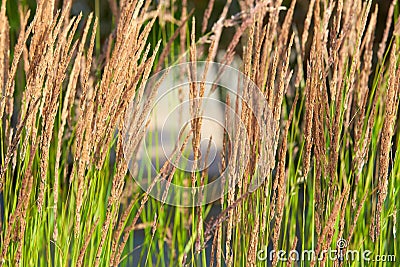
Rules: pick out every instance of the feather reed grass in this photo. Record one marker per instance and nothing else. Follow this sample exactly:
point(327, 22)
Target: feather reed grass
point(329, 170)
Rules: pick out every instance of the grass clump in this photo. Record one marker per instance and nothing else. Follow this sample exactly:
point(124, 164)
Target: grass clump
point(330, 173)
